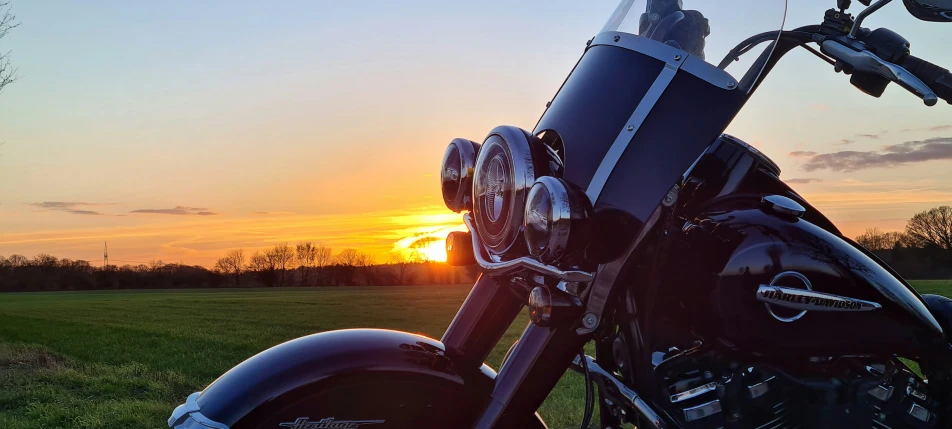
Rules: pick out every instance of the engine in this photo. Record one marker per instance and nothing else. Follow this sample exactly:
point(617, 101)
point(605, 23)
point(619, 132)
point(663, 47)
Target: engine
point(706, 392)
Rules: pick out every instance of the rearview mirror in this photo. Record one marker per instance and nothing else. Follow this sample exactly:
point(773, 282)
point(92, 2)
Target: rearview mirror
point(930, 10)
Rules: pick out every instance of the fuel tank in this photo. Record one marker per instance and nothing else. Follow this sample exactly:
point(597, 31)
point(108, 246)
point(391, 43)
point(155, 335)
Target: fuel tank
point(753, 252)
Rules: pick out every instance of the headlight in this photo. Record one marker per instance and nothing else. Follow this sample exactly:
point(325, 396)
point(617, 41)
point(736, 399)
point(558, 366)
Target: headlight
point(504, 172)
point(456, 176)
point(556, 219)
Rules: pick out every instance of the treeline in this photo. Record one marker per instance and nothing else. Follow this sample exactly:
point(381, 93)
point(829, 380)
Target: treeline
point(302, 265)
point(922, 251)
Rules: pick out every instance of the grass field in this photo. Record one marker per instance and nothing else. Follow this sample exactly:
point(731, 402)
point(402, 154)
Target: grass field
point(125, 359)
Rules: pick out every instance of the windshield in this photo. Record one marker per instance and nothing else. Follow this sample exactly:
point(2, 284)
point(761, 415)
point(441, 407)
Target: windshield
point(703, 28)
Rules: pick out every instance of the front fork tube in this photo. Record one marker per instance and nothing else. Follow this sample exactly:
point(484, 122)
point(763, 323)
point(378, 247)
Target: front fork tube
point(482, 320)
point(536, 364)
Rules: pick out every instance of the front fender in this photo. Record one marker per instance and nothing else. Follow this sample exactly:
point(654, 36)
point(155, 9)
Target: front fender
point(391, 377)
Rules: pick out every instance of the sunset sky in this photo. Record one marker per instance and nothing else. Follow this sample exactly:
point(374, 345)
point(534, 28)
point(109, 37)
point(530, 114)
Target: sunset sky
point(177, 130)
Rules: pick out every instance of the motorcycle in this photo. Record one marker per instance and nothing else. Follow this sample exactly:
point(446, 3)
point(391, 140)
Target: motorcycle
point(715, 295)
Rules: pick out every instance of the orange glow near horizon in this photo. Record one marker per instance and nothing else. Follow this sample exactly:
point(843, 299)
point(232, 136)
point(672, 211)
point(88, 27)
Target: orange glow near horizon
point(200, 241)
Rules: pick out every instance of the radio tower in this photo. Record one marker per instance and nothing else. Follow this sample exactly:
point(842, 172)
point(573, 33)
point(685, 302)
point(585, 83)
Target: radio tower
point(105, 255)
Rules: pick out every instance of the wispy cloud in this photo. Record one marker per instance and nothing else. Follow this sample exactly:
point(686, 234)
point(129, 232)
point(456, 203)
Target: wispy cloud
point(801, 153)
point(869, 136)
point(71, 207)
point(889, 156)
point(941, 128)
point(178, 211)
point(803, 180)
point(846, 141)
point(271, 213)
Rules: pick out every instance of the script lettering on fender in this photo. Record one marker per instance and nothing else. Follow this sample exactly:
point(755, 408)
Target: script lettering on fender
point(328, 423)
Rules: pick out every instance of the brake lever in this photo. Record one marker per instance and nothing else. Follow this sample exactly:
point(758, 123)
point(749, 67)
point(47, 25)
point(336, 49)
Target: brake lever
point(867, 62)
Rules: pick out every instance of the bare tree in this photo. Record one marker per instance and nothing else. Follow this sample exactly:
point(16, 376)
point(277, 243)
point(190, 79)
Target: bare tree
point(874, 239)
point(8, 21)
point(263, 267)
point(401, 263)
point(420, 248)
point(932, 227)
point(282, 257)
point(348, 257)
point(368, 264)
point(306, 254)
point(17, 261)
point(323, 258)
point(232, 264)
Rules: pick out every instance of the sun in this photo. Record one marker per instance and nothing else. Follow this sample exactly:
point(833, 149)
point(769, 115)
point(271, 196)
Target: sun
point(427, 244)
point(435, 251)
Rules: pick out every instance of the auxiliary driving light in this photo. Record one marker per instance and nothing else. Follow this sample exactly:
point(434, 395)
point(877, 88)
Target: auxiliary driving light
point(459, 249)
point(456, 176)
point(556, 219)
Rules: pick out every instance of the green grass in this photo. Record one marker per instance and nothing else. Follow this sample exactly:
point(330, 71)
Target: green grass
point(125, 359)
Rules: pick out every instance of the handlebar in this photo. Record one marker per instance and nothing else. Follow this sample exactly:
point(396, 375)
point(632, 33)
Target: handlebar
point(937, 78)
point(865, 61)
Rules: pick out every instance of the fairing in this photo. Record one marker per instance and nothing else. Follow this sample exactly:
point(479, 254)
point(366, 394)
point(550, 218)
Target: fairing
point(628, 139)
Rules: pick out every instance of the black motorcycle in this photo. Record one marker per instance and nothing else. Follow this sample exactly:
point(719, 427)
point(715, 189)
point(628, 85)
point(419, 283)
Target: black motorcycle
point(715, 295)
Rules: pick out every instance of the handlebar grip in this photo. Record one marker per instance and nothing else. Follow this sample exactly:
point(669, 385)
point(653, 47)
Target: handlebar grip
point(938, 78)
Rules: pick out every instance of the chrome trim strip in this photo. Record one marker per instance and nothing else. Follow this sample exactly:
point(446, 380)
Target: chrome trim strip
point(630, 130)
point(708, 73)
point(757, 390)
point(693, 393)
point(881, 392)
point(919, 412)
point(702, 411)
point(632, 397)
point(804, 300)
point(667, 53)
point(189, 416)
point(519, 264)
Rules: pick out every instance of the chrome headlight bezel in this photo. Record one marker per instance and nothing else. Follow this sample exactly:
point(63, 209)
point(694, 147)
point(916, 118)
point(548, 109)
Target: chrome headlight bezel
point(556, 221)
point(456, 174)
point(504, 172)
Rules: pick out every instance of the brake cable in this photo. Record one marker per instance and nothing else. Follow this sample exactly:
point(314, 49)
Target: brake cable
point(589, 394)
point(802, 36)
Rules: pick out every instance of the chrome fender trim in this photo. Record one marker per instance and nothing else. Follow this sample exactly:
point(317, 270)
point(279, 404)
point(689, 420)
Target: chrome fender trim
point(189, 416)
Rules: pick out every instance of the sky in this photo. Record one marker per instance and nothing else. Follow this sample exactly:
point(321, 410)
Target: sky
point(178, 130)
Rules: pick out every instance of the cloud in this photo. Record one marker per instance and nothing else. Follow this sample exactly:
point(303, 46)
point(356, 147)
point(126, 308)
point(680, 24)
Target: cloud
point(71, 207)
point(803, 180)
point(846, 141)
point(271, 213)
point(178, 211)
point(869, 136)
point(890, 156)
point(941, 128)
point(800, 153)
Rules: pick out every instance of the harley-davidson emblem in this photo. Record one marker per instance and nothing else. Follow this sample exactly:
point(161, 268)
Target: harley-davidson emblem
point(328, 423)
point(799, 299)
point(806, 299)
